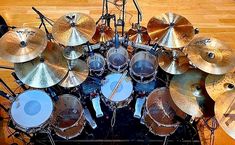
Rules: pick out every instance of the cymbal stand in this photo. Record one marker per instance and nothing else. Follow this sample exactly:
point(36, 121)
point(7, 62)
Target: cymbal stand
point(165, 140)
point(48, 132)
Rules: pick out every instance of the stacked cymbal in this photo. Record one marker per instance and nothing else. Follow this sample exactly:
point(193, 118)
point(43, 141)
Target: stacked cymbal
point(103, 34)
point(138, 34)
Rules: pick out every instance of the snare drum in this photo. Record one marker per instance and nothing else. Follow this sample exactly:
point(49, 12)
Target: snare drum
point(143, 67)
point(31, 111)
point(117, 59)
point(68, 118)
point(122, 97)
point(96, 64)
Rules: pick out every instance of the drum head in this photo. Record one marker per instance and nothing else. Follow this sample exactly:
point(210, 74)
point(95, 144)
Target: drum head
point(31, 109)
point(96, 62)
point(123, 91)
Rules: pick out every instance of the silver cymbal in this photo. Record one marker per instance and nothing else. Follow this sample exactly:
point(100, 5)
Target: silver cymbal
point(73, 52)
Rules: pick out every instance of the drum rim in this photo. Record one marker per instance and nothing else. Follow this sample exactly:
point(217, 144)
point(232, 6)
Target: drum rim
point(101, 57)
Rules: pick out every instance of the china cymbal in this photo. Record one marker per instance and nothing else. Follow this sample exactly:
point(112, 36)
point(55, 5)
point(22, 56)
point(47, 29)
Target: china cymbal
point(72, 52)
point(170, 30)
point(138, 35)
point(225, 112)
point(73, 29)
point(211, 55)
point(216, 85)
point(103, 34)
point(174, 62)
point(77, 74)
point(22, 44)
point(189, 93)
point(43, 72)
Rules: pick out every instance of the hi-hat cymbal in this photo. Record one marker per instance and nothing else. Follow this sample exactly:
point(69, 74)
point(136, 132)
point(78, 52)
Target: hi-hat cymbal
point(103, 34)
point(43, 72)
point(174, 62)
point(72, 52)
point(138, 35)
point(189, 94)
point(73, 29)
point(78, 72)
point(211, 55)
point(22, 44)
point(170, 30)
point(216, 85)
point(225, 112)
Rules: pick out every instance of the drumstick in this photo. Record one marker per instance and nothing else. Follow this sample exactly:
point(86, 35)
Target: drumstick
point(117, 85)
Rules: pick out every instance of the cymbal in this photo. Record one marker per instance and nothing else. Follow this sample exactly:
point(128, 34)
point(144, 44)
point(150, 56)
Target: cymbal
point(225, 112)
point(103, 34)
point(211, 55)
point(72, 52)
point(43, 72)
point(170, 30)
point(216, 85)
point(77, 74)
point(73, 29)
point(22, 44)
point(189, 94)
point(173, 62)
point(138, 35)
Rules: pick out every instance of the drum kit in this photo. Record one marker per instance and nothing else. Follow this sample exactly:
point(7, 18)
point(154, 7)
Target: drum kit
point(199, 78)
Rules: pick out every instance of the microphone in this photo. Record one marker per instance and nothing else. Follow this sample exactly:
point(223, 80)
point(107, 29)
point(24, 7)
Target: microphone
point(5, 95)
point(116, 40)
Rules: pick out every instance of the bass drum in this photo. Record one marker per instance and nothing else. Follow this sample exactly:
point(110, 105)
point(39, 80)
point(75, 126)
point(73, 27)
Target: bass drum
point(68, 119)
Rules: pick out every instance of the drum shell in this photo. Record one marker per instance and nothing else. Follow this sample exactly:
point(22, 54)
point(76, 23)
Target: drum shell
point(116, 104)
point(101, 60)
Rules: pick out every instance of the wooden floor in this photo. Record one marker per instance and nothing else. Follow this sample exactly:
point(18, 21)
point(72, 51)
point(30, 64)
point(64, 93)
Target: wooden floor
point(214, 18)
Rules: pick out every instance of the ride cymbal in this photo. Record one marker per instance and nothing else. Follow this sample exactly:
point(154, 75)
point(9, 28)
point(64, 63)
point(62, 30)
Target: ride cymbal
point(211, 55)
point(43, 72)
point(22, 44)
point(138, 35)
point(73, 29)
point(170, 30)
point(103, 34)
point(72, 52)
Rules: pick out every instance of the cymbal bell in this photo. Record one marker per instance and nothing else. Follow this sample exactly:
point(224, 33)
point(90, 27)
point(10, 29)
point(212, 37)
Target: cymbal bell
point(170, 30)
point(138, 34)
point(73, 29)
point(78, 72)
point(22, 44)
point(211, 55)
point(216, 85)
point(43, 72)
point(189, 94)
point(103, 34)
point(173, 62)
point(72, 52)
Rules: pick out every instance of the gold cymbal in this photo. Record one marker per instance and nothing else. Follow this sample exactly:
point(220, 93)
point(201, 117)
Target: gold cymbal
point(216, 85)
point(189, 93)
point(72, 52)
point(22, 44)
point(170, 30)
point(211, 55)
point(138, 35)
point(103, 34)
point(73, 29)
point(174, 62)
point(225, 112)
point(43, 72)
point(77, 74)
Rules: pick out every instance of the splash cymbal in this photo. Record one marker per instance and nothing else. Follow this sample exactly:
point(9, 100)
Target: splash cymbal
point(73, 29)
point(173, 62)
point(72, 52)
point(78, 72)
point(138, 35)
point(43, 72)
point(22, 44)
point(103, 34)
point(211, 55)
point(216, 85)
point(170, 30)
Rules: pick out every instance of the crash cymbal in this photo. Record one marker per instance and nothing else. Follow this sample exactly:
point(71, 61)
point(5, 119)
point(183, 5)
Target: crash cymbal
point(174, 62)
point(189, 94)
point(138, 35)
point(225, 112)
point(170, 30)
point(73, 29)
point(72, 52)
point(22, 44)
point(211, 55)
point(216, 85)
point(103, 34)
point(43, 72)
point(77, 74)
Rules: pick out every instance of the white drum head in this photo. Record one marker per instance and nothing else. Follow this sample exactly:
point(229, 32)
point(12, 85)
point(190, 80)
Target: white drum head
point(123, 91)
point(31, 109)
